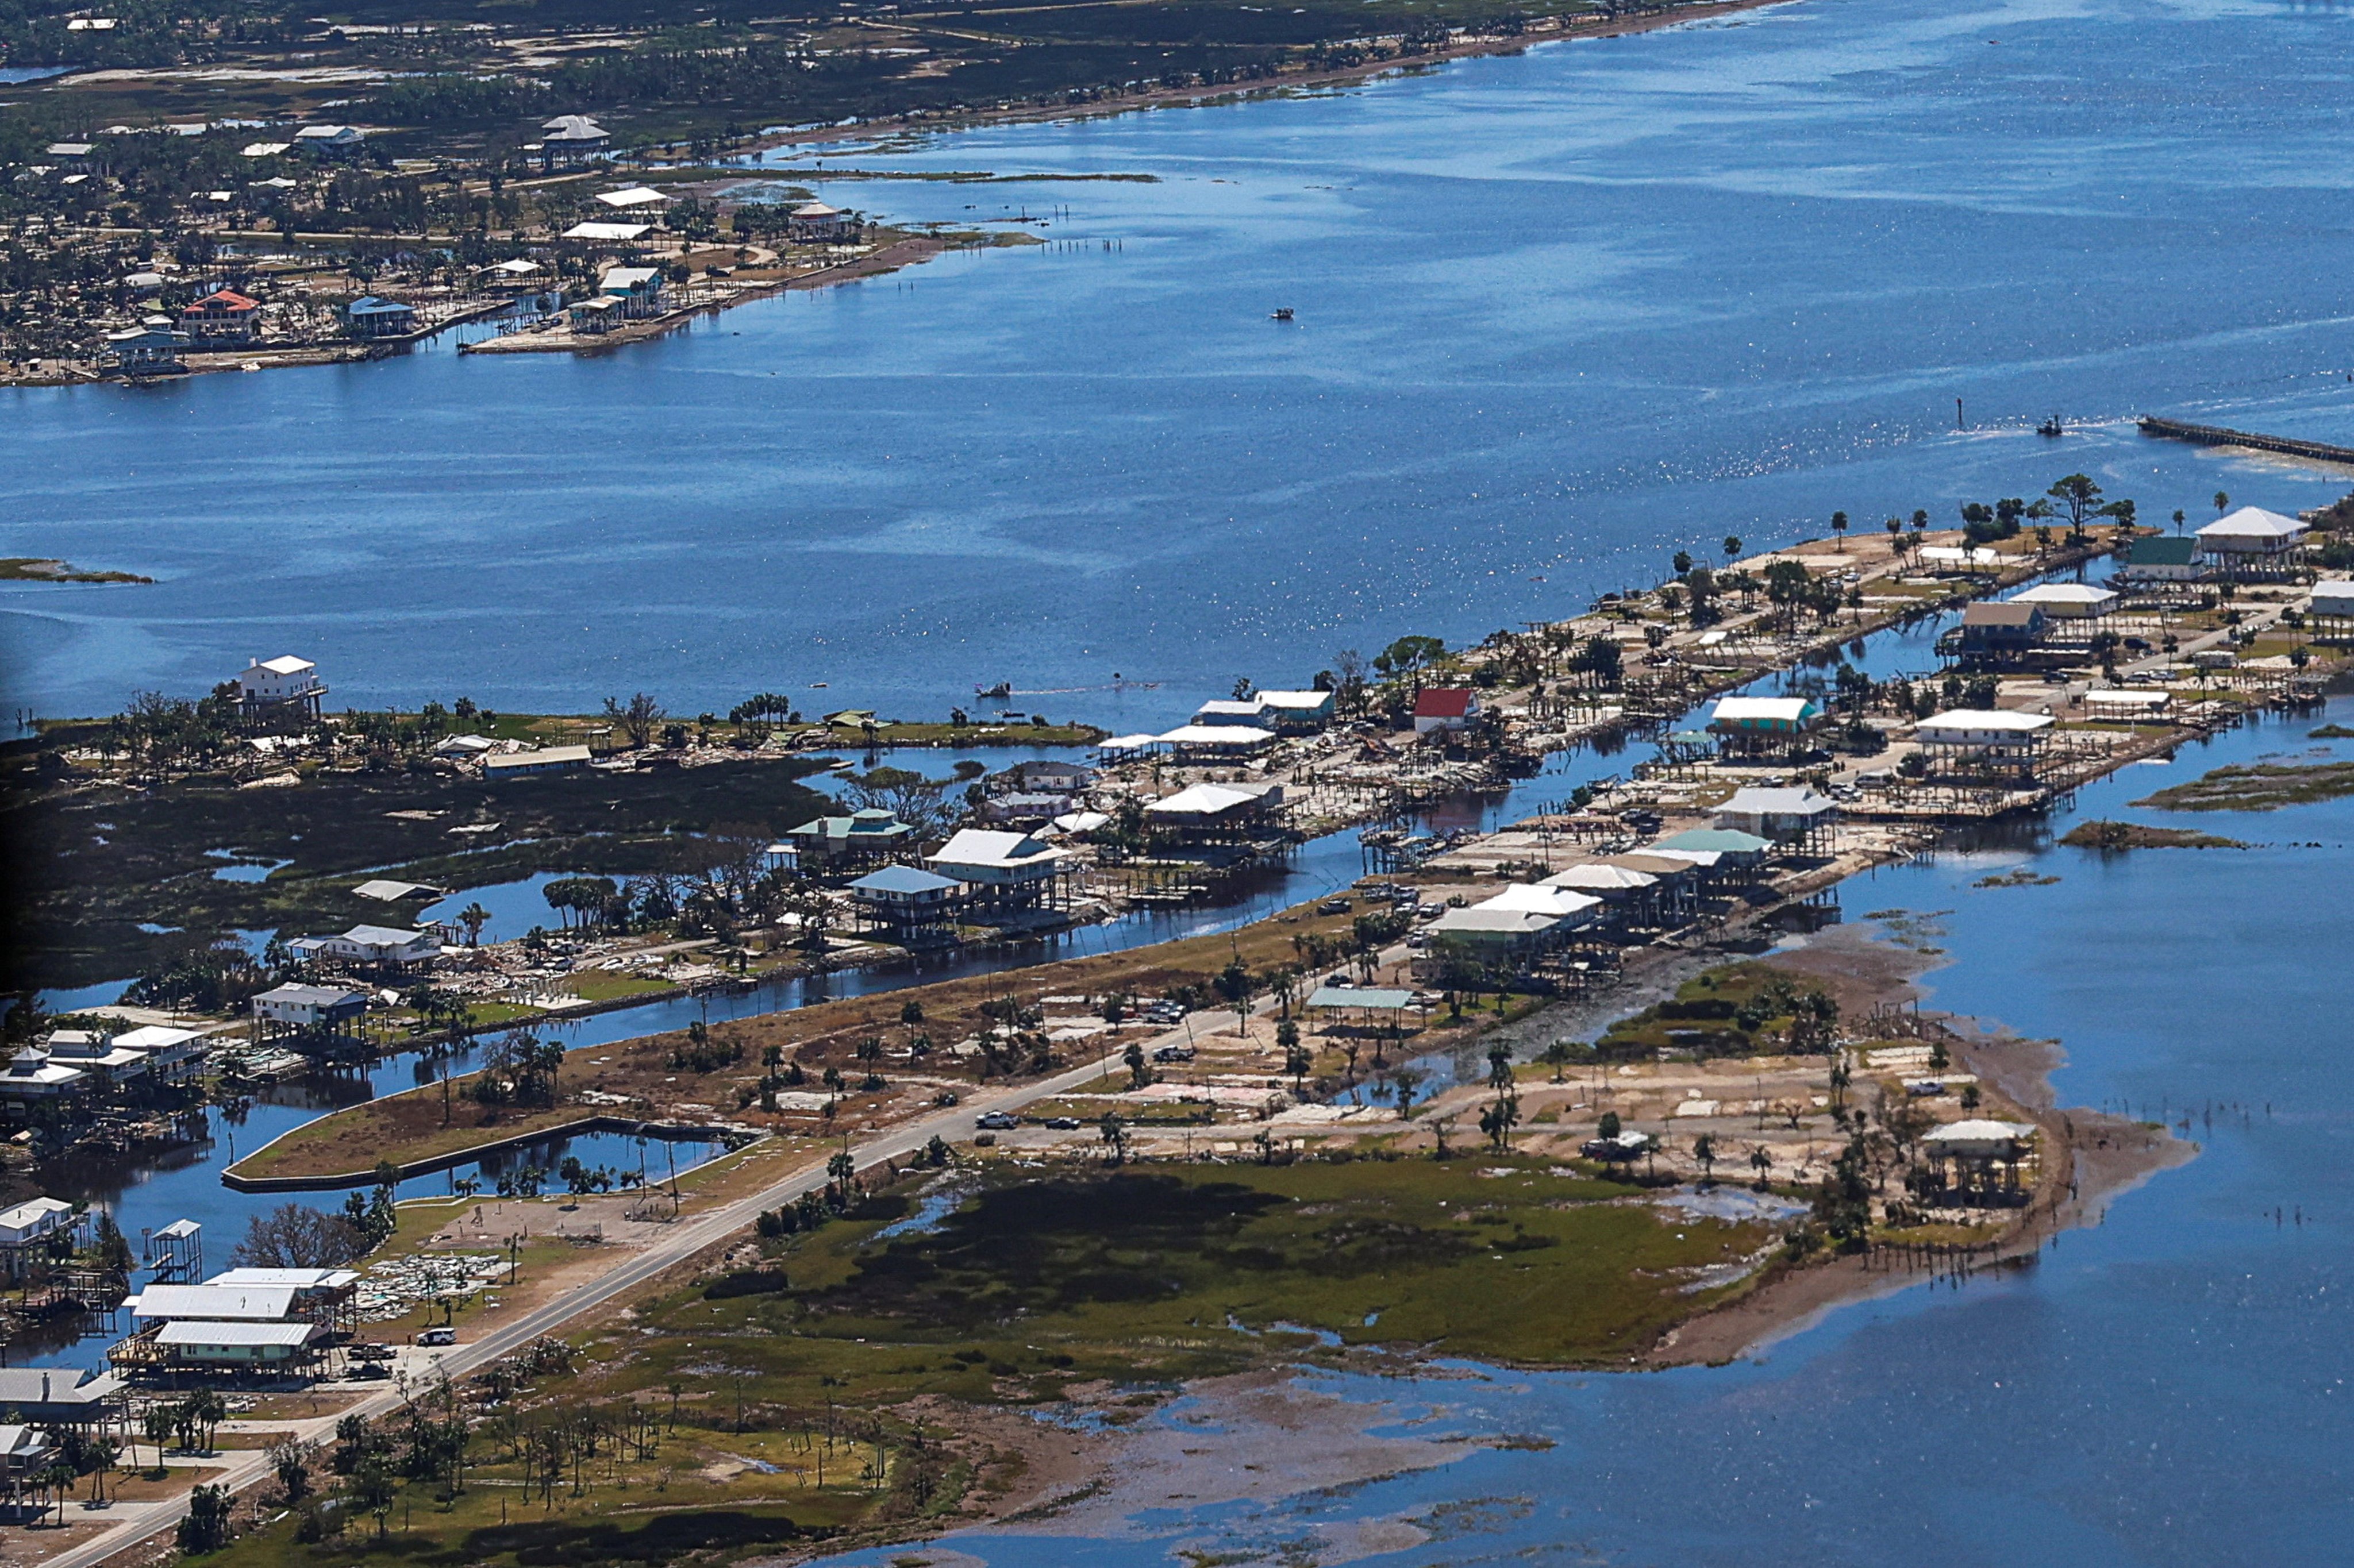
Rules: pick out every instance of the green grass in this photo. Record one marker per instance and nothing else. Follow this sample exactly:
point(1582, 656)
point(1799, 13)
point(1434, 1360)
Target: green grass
point(2260, 787)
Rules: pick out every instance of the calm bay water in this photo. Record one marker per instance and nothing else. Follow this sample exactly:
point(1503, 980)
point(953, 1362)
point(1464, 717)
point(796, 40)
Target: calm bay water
point(1558, 316)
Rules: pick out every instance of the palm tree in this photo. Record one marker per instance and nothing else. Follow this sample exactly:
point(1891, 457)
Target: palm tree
point(473, 916)
point(1839, 525)
point(1704, 1150)
point(1732, 547)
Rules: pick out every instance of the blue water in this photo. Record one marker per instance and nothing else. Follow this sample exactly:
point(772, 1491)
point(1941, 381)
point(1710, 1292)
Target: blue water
point(1559, 315)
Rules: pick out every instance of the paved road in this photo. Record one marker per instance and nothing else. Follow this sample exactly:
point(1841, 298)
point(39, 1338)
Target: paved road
point(133, 1522)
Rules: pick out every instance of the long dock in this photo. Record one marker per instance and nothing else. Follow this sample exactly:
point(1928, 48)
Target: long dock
point(2217, 436)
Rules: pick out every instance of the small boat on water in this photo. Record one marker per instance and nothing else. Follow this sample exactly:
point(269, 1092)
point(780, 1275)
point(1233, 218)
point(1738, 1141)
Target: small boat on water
point(2052, 427)
point(1001, 691)
point(1282, 314)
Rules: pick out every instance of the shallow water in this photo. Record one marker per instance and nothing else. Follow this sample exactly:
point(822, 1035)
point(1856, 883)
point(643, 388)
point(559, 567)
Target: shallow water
point(1559, 316)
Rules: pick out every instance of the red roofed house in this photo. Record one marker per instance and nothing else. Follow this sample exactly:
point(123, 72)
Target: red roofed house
point(223, 316)
point(1444, 708)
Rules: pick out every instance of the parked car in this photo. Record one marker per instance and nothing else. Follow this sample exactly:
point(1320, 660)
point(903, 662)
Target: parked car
point(436, 1336)
point(1173, 1054)
point(1064, 1123)
point(945, 1097)
point(997, 1122)
point(1335, 906)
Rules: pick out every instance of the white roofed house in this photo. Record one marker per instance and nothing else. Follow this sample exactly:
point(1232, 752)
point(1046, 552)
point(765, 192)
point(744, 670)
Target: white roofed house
point(1978, 1161)
point(1215, 742)
point(60, 1396)
point(1296, 713)
point(330, 140)
point(2333, 602)
point(285, 681)
point(1003, 868)
point(2070, 601)
point(2253, 543)
point(1206, 815)
point(1245, 710)
point(30, 1229)
point(814, 222)
point(173, 1054)
point(1752, 725)
point(570, 137)
point(640, 289)
point(1983, 741)
point(1791, 817)
point(389, 948)
point(94, 1052)
point(154, 347)
point(33, 1080)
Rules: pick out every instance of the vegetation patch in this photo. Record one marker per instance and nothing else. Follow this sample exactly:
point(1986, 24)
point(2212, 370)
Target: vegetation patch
point(2259, 787)
point(1736, 1010)
point(2108, 835)
point(42, 569)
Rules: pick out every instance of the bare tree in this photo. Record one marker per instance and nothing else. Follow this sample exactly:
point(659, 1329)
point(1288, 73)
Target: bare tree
point(293, 1236)
point(638, 720)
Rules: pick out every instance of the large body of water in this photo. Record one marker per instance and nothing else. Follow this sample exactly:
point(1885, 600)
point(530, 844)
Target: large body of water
point(1559, 315)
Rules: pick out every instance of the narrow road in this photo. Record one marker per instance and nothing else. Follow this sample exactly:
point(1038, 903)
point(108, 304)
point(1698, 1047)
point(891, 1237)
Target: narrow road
point(133, 1522)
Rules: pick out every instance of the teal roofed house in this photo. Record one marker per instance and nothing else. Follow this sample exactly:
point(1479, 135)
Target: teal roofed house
point(866, 837)
point(368, 316)
point(908, 902)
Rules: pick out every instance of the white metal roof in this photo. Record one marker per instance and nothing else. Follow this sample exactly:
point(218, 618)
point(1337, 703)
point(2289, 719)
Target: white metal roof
point(1501, 922)
point(287, 1278)
point(1777, 710)
point(285, 664)
point(1217, 734)
point(979, 846)
point(636, 195)
point(1209, 800)
point(32, 1211)
point(620, 231)
point(1235, 708)
point(205, 1332)
point(2253, 523)
point(1981, 1132)
point(155, 1037)
point(2064, 593)
point(1533, 899)
point(1963, 722)
point(1758, 801)
point(249, 1303)
point(1295, 702)
point(1608, 878)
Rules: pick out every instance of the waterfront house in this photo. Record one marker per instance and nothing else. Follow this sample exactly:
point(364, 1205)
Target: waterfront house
point(1488, 936)
point(1048, 776)
point(1731, 846)
point(96, 1054)
point(2157, 560)
point(599, 315)
point(570, 137)
point(907, 902)
point(546, 760)
point(2070, 601)
point(1296, 713)
point(1983, 740)
point(33, 1220)
point(150, 348)
point(32, 1078)
point(173, 1054)
point(328, 1297)
point(1572, 908)
point(640, 289)
point(867, 836)
point(1788, 816)
point(1023, 807)
point(1229, 710)
point(1959, 560)
point(1999, 634)
point(1751, 725)
point(380, 946)
point(1217, 813)
point(814, 222)
point(2252, 542)
point(203, 1342)
point(1128, 747)
point(371, 317)
point(1614, 884)
point(310, 1007)
point(278, 683)
point(215, 1303)
point(336, 142)
point(1007, 868)
point(1444, 709)
point(223, 316)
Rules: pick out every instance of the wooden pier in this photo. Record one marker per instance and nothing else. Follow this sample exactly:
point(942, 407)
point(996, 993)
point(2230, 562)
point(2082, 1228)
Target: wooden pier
point(2217, 436)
